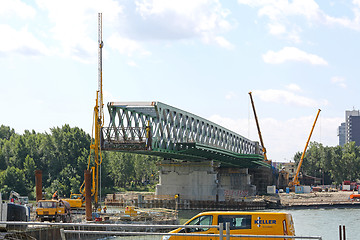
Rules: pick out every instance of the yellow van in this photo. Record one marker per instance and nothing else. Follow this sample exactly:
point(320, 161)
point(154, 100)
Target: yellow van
point(244, 223)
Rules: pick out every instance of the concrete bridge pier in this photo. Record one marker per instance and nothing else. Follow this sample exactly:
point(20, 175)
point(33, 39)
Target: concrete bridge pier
point(204, 181)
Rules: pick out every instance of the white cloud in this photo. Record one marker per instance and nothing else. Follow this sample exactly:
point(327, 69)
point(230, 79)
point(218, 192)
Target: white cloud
point(75, 24)
point(222, 42)
point(17, 7)
point(276, 28)
point(293, 87)
point(292, 54)
point(171, 19)
point(21, 42)
point(279, 12)
point(71, 26)
point(340, 81)
point(126, 46)
point(283, 138)
point(288, 98)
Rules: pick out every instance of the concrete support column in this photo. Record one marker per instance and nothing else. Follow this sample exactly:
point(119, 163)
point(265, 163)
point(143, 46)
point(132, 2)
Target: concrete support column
point(87, 176)
point(38, 184)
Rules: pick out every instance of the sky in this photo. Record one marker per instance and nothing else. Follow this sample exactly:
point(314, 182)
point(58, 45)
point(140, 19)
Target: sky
point(202, 56)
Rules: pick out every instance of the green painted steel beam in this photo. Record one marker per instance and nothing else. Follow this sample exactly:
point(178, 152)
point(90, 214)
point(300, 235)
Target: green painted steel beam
point(155, 128)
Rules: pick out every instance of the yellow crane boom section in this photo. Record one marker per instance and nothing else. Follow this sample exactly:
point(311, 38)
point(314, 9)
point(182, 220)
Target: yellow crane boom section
point(295, 181)
point(258, 127)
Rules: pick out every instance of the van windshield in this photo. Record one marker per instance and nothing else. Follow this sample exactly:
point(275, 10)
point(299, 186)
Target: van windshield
point(236, 221)
point(202, 220)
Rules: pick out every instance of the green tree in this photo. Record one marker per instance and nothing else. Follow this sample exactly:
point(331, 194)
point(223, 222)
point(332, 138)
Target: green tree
point(6, 132)
point(121, 169)
point(333, 164)
point(13, 178)
point(29, 169)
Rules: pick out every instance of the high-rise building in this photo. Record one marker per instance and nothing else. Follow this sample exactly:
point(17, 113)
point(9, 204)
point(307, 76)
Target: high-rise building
point(349, 131)
point(354, 129)
point(341, 134)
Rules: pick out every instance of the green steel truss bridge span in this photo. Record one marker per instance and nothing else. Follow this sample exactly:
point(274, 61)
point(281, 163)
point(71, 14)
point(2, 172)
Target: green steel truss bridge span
point(155, 128)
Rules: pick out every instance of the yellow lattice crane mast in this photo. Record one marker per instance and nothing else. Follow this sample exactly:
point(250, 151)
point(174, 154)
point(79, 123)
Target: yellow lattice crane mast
point(258, 126)
point(98, 122)
point(295, 181)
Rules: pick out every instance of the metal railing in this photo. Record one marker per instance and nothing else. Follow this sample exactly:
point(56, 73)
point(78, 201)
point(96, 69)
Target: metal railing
point(220, 227)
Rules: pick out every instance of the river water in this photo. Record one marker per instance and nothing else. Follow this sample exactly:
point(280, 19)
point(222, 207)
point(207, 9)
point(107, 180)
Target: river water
point(311, 222)
point(325, 222)
point(317, 222)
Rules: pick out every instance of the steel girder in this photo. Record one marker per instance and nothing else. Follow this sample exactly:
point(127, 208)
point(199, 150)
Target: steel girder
point(173, 133)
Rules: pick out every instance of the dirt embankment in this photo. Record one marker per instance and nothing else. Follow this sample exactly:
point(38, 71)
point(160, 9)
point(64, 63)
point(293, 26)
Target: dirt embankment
point(316, 198)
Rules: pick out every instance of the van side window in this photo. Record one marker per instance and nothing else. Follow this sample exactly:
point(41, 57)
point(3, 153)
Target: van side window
point(202, 220)
point(236, 221)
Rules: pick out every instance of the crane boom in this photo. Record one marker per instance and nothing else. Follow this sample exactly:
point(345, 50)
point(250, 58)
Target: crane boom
point(258, 126)
point(98, 117)
point(100, 93)
point(295, 181)
point(98, 123)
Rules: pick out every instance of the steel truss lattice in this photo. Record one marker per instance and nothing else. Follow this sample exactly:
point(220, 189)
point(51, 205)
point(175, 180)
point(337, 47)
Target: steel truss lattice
point(173, 133)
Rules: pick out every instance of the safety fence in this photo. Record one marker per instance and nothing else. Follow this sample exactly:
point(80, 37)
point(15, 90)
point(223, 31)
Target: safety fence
point(70, 231)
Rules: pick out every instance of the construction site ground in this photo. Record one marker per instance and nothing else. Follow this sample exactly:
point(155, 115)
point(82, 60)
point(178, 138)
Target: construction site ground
point(337, 198)
point(147, 216)
point(280, 200)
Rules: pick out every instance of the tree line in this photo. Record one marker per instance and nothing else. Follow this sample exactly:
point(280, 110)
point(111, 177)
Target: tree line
point(62, 155)
point(332, 164)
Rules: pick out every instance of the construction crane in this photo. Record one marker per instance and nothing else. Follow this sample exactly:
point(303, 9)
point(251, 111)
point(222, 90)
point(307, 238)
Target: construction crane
point(295, 181)
point(258, 126)
point(98, 122)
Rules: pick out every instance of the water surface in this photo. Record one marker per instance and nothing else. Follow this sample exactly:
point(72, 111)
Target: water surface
point(308, 222)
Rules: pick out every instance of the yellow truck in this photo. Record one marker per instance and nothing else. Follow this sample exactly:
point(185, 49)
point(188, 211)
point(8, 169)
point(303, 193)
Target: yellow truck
point(241, 223)
point(75, 201)
point(53, 210)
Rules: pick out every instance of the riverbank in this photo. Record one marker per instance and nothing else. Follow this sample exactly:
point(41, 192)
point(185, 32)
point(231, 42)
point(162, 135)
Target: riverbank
point(158, 215)
point(340, 199)
point(332, 199)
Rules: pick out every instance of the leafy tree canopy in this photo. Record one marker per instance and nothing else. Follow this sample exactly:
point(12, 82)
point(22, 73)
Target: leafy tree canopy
point(333, 164)
point(63, 155)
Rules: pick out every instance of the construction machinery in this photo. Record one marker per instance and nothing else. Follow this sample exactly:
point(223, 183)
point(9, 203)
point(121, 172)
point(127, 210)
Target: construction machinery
point(16, 198)
point(98, 122)
point(76, 200)
point(258, 127)
point(53, 210)
point(11, 211)
point(95, 158)
point(295, 181)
